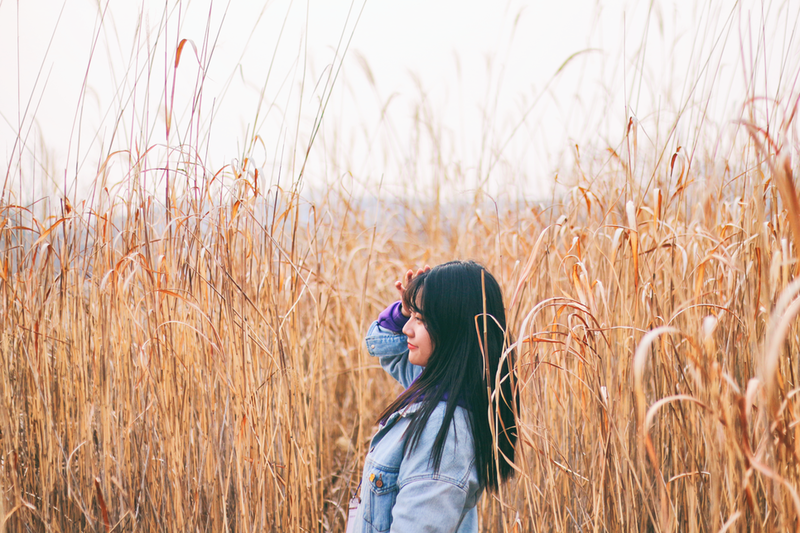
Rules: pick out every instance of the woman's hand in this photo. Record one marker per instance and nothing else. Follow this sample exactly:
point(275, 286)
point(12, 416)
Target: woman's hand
point(401, 285)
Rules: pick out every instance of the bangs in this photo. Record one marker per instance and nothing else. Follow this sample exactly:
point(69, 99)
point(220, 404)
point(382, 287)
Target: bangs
point(412, 297)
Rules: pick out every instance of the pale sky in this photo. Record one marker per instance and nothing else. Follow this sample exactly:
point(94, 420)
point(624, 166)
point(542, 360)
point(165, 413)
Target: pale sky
point(480, 78)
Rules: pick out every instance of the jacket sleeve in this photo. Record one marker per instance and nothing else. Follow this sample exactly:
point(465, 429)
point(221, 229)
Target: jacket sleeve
point(436, 502)
point(392, 350)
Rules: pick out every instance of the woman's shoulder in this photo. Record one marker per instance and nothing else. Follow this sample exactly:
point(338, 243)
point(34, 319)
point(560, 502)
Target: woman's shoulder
point(459, 434)
point(458, 453)
point(460, 415)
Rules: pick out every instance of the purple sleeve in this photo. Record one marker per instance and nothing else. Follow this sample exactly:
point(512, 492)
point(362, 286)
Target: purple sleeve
point(392, 318)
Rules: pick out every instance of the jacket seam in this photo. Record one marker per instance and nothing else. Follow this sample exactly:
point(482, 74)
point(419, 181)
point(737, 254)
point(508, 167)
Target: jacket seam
point(449, 481)
point(466, 474)
point(384, 468)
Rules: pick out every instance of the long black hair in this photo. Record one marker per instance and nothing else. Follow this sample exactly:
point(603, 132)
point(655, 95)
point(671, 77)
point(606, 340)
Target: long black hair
point(462, 308)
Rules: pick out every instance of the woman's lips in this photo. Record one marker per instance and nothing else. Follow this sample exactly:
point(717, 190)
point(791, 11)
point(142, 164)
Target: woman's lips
point(411, 346)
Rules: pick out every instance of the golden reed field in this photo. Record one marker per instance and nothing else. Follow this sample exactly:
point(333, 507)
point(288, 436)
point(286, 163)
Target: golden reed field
point(189, 357)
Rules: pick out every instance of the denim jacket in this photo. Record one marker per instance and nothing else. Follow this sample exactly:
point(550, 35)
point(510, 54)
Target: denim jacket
point(400, 492)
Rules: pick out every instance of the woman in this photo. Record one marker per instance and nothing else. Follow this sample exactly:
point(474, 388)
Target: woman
point(437, 447)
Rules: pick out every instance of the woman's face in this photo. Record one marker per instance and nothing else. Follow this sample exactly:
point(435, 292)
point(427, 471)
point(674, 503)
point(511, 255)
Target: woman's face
point(420, 345)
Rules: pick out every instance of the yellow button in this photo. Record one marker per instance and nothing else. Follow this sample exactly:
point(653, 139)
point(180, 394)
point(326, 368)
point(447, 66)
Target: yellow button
point(372, 477)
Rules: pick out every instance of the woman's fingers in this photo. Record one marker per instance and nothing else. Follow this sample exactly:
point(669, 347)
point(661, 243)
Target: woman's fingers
point(402, 284)
point(401, 289)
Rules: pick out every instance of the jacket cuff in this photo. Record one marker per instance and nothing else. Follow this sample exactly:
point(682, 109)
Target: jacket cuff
point(392, 318)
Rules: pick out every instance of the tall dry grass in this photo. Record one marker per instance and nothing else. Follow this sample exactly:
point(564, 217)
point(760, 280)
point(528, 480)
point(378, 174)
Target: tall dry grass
point(209, 373)
point(192, 359)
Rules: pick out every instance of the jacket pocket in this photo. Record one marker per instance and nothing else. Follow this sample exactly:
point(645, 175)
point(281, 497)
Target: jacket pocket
point(382, 485)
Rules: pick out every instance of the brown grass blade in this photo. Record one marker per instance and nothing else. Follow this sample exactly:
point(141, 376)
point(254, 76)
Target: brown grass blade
point(179, 51)
point(102, 503)
point(785, 182)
